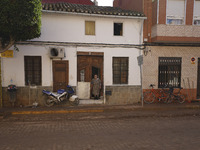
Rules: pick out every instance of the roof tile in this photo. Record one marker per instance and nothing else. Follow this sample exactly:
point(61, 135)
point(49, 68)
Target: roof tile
point(89, 9)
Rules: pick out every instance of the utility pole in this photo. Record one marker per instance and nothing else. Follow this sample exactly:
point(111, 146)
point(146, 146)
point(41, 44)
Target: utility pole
point(140, 63)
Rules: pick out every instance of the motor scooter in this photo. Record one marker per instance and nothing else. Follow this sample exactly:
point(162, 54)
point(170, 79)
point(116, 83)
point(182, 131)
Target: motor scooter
point(61, 95)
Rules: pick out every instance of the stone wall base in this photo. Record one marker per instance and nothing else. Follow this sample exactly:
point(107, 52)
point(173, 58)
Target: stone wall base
point(25, 96)
point(123, 94)
point(115, 95)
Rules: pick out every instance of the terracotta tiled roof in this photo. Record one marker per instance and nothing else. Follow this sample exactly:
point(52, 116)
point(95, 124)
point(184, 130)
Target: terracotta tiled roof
point(89, 9)
point(83, 2)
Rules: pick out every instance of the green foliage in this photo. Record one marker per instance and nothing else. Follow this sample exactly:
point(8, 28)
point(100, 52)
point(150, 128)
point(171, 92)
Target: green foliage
point(20, 19)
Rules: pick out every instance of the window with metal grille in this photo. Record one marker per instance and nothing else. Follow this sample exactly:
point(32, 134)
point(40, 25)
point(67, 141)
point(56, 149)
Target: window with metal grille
point(32, 70)
point(120, 70)
point(170, 71)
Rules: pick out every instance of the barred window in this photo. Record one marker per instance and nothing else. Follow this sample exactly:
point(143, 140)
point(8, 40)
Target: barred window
point(120, 70)
point(170, 71)
point(32, 70)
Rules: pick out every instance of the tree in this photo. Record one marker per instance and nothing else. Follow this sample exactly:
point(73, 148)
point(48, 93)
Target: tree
point(20, 20)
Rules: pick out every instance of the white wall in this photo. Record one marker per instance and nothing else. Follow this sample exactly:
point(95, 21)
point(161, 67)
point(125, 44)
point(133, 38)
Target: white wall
point(66, 28)
point(13, 68)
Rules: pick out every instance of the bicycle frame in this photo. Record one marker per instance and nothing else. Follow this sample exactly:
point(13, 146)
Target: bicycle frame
point(160, 94)
point(176, 96)
point(152, 95)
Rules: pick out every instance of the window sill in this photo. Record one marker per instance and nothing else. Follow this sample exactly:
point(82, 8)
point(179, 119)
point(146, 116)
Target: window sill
point(33, 86)
point(118, 36)
point(175, 24)
point(90, 35)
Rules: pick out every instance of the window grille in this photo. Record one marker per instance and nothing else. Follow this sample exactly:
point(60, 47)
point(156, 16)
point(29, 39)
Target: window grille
point(32, 70)
point(120, 70)
point(170, 71)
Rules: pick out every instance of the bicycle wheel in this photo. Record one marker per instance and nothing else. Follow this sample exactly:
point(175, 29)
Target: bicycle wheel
point(169, 99)
point(181, 99)
point(148, 97)
point(164, 96)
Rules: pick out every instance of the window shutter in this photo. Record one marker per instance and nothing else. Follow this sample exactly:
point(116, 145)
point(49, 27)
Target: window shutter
point(89, 27)
point(176, 8)
point(197, 9)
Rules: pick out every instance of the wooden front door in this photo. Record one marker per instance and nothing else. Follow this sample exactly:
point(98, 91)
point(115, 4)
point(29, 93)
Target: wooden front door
point(198, 80)
point(88, 66)
point(60, 75)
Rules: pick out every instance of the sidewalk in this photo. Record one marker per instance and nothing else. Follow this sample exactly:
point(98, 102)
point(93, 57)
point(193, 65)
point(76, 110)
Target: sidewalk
point(60, 109)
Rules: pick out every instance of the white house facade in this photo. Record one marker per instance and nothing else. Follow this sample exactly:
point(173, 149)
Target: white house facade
point(78, 41)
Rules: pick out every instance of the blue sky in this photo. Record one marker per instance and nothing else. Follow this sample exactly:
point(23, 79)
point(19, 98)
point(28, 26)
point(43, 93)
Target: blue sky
point(105, 2)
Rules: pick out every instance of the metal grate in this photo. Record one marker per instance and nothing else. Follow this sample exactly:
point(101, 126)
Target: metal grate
point(32, 70)
point(170, 71)
point(120, 70)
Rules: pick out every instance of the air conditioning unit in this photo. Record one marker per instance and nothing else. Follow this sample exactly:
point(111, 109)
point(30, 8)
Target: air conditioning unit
point(57, 52)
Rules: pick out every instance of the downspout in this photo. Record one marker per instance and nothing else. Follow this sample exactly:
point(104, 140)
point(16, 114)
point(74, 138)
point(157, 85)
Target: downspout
point(1, 99)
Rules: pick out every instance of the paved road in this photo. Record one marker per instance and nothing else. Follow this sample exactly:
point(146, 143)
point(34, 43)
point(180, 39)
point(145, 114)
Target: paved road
point(101, 131)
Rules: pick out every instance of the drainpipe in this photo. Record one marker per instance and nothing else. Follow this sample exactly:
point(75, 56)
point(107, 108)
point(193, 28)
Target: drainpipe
point(1, 100)
point(104, 88)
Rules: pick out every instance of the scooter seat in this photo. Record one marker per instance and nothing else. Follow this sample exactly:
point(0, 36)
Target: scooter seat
point(46, 92)
point(55, 94)
point(60, 91)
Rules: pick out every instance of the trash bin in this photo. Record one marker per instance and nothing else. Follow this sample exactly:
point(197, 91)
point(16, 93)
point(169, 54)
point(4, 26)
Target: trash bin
point(12, 93)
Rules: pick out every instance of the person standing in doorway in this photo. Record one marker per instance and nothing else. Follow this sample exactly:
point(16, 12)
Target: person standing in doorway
point(96, 86)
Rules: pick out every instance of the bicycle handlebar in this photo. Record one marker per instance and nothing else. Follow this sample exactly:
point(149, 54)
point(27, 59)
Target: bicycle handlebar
point(152, 85)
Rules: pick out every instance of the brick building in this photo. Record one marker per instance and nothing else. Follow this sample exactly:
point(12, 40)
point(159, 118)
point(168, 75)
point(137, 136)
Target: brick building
point(171, 34)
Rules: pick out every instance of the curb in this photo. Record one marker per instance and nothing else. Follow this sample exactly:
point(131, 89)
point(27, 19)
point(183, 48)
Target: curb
point(55, 112)
point(101, 110)
point(94, 109)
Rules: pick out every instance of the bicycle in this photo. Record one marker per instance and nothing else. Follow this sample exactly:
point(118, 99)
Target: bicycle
point(175, 96)
point(150, 96)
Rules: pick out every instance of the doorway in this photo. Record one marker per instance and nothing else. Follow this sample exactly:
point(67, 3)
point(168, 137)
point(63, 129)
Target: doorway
point(60, 74)
point(88, 66)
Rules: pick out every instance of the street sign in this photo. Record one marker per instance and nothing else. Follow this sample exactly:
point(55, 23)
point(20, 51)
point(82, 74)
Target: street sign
point(192, 60)
point(7, 54)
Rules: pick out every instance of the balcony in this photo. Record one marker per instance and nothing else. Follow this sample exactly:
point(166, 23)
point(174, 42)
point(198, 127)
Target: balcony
point(176, 33)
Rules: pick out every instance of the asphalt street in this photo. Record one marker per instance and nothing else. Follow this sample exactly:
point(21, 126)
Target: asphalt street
point(113, 130)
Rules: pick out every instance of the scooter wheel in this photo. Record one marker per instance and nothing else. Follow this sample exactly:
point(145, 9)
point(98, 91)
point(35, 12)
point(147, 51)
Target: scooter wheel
point(49, 101)
point(75, 102)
